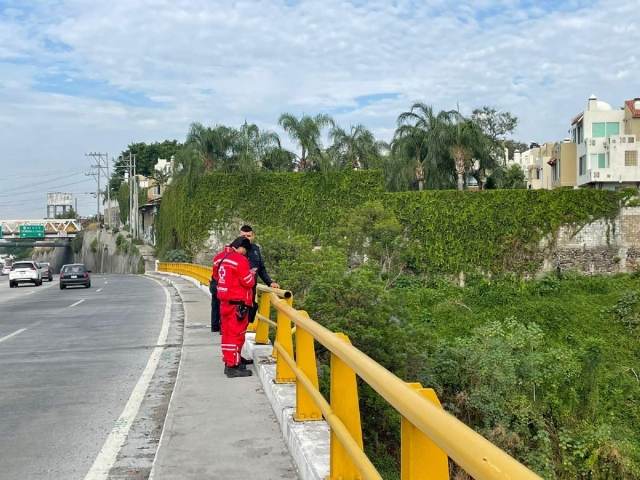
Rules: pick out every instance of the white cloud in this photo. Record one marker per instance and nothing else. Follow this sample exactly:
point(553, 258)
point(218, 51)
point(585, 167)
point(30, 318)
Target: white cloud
point(222, 62)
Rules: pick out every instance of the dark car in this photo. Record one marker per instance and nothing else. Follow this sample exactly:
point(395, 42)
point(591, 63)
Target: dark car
point(46, 271)
point(74, 275)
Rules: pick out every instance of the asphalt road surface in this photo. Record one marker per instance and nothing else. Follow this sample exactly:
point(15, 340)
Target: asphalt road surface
point(69, 361)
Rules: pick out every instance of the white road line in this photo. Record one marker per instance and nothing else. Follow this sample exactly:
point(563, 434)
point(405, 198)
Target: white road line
point(98, 290)
point(31, 293)
point(77, 303)
point(118, 436)
point(7, 337)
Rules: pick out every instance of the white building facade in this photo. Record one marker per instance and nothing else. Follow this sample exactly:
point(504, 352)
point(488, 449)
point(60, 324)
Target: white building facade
point(607, 157)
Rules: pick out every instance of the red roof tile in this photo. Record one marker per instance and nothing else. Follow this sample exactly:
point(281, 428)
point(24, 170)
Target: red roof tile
point(552, 160)
point(577, 118)
point(634, 111)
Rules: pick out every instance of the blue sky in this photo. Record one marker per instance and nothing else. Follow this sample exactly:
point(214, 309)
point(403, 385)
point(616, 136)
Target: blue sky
point(79, 76)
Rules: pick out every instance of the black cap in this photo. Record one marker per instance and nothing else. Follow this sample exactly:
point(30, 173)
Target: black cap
point(241, 242)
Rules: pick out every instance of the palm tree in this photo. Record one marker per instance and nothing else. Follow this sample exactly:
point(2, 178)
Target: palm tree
point(306, 132)
point(420, 137)
point(251, 148)
point(212, 145)
point(358, 148)
point(467, 144)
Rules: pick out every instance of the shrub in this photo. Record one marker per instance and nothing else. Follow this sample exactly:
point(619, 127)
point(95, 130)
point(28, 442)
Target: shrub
point(94, 245)
point(179, 256)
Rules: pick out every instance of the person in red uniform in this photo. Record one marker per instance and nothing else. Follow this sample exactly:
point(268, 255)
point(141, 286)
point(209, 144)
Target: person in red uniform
point(235, 291)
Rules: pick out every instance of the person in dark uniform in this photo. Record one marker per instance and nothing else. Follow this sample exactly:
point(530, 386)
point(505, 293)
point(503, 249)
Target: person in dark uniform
point(255, 262)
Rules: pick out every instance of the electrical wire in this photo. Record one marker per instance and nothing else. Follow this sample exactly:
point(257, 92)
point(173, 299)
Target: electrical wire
point(35, 193)
point(44, 173)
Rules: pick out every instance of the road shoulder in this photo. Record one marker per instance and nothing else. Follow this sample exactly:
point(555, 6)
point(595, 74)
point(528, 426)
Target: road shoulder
point(216, 427)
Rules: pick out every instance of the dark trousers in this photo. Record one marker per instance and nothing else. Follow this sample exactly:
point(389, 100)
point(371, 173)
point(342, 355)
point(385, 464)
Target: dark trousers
point(254, 309)
point(215, 314)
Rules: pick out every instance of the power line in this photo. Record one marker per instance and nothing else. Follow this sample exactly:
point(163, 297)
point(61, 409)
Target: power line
point(35, 193)
point(22, 187)
point(45, 173)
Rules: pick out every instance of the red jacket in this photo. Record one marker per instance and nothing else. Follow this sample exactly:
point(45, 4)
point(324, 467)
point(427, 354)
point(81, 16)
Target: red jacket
point(235, 279)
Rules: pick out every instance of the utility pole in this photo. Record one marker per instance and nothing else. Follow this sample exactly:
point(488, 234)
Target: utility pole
point(102, 166)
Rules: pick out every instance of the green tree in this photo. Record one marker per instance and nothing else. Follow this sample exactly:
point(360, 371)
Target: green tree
point(251, 147)
point(512, 177)
point(467, 145)
point(69, 214)
point(357, 148)
point(147, 155)
point(306, 132)
point(513, 145)
point(420, 138)
point(496, 125)
point(123, 201)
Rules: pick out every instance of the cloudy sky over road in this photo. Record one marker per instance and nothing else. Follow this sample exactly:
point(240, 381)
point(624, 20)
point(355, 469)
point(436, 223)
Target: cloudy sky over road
point(81, 75)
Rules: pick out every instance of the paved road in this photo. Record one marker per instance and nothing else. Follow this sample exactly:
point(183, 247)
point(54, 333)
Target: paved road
point(69, 360)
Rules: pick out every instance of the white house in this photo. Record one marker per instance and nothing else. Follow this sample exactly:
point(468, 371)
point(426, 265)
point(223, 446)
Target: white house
point(607, 156)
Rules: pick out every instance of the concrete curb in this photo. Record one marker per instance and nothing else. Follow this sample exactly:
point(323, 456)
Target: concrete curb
point(169, 419)
point(308, 442)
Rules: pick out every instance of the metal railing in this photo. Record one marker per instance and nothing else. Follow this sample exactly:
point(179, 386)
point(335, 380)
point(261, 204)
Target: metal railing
point(428, 433)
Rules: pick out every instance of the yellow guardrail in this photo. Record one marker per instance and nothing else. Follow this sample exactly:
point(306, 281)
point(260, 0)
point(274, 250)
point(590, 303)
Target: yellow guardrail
point(428, 433)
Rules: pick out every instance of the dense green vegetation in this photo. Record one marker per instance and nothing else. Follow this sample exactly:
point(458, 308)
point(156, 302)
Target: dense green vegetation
point(444, 150)
point(548, 370)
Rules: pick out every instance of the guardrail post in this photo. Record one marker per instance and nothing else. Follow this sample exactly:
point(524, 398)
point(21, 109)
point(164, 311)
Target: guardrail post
point(344, 404)
point(284, 374)
point(306, 409)
point(421, 459)
point(262, 328)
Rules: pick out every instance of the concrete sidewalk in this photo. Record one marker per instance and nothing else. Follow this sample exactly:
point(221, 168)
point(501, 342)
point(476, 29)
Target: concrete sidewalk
point(216, 427)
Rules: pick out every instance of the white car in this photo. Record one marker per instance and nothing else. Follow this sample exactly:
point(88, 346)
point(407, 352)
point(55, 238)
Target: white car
point(5, 270)
point(24, 272)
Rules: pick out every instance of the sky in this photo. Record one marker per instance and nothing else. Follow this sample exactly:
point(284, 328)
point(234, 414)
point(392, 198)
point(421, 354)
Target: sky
point(80, 76)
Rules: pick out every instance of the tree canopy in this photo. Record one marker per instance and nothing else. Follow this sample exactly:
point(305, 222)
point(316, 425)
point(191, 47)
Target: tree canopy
point(429, 149)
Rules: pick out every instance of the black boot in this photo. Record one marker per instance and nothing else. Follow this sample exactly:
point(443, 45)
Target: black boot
point(246, 361)
point(233, 372)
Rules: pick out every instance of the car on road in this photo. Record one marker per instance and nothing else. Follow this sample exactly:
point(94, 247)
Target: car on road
point(5, 270)
point(74, 274)
point(46, 271)
point(24, 272)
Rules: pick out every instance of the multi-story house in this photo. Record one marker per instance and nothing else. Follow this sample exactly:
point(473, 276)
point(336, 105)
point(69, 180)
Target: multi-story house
point(537, 172)
point(563, 164)
point(607, 147)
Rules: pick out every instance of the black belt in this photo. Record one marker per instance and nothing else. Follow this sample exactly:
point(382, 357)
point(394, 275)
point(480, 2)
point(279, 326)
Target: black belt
point(235, 302)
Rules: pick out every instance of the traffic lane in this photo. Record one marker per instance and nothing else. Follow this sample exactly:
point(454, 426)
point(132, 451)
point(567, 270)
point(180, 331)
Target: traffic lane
point(23, 290)
point(64, 383)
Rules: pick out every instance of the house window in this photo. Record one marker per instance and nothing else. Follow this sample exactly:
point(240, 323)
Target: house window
point(631, 158)
point(580, 133)
point(598, 130)
point(582, 165)
point(613, 128)
point(156, 189)
point(602, 160)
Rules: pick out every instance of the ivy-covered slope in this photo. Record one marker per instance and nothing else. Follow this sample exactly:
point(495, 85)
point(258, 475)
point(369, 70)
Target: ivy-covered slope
point(303, 202)
point(448, 231)
point(493, 230)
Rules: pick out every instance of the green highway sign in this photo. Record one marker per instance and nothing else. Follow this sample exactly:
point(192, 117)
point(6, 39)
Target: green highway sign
point(31, 231)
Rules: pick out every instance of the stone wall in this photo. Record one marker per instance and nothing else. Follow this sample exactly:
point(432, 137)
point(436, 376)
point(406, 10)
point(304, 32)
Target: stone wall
point(605, 247)
point(105, 258)
point(600, 247)
point(56, 257)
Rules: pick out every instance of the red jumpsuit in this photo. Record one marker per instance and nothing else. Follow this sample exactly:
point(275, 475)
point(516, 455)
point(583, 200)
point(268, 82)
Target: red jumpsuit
point(235, 285)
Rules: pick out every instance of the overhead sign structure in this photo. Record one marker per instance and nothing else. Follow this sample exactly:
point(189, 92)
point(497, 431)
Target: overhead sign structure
point(31, 231)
